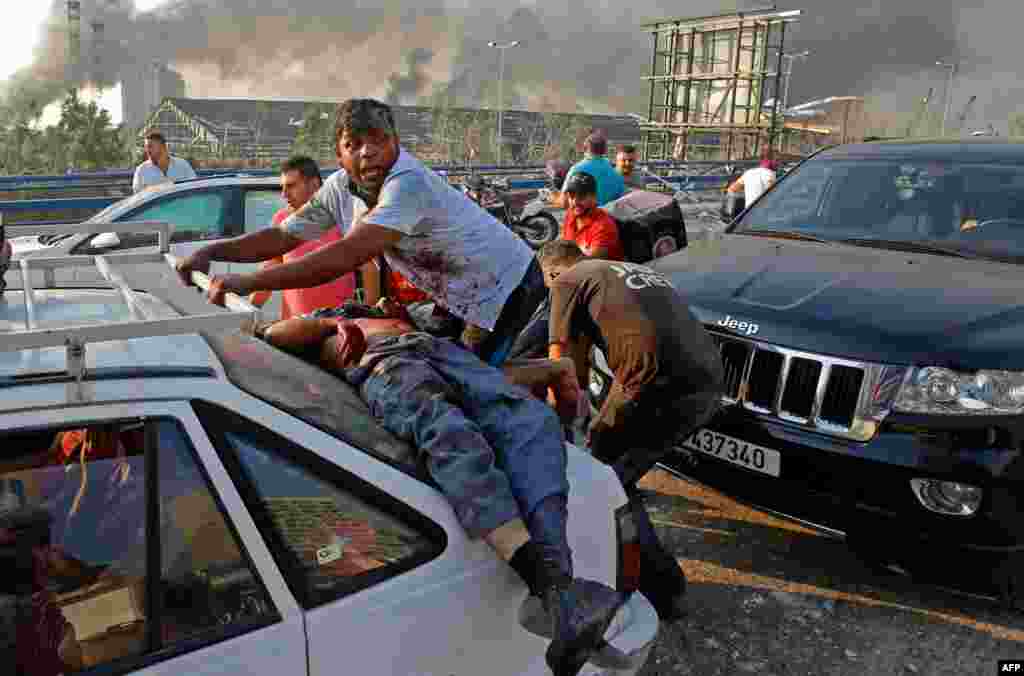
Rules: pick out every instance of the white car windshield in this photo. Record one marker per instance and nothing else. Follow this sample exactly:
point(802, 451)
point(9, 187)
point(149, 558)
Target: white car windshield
point(969, 208)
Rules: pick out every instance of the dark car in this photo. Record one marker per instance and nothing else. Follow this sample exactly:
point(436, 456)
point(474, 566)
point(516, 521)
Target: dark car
point(869, 310)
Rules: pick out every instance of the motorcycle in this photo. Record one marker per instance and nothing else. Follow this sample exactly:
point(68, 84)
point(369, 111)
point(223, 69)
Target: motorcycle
point(534, 226)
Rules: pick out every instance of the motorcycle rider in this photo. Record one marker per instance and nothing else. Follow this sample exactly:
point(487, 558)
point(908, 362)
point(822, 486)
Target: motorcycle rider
point(587, 224)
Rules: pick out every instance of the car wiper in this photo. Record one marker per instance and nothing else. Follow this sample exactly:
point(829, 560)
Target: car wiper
point(903, 245)
point(785, 234)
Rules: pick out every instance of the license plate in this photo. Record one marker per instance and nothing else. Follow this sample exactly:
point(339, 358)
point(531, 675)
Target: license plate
point(736, 451)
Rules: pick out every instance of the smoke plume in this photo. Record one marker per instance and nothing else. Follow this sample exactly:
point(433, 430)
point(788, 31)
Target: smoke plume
point(576, 55)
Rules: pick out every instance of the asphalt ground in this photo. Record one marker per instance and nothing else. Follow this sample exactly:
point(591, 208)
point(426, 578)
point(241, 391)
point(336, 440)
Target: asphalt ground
point(770, 596)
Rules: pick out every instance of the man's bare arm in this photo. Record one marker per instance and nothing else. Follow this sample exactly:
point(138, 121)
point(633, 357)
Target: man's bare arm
point(327, 263)
point(252, 248)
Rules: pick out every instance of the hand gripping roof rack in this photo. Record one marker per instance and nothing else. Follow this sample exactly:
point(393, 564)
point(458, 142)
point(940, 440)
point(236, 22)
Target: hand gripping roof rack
point(143, 324)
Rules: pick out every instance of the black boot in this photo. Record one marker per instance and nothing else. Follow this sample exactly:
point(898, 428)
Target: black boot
point(579, 614)
point(576, 613)
point(662, 581)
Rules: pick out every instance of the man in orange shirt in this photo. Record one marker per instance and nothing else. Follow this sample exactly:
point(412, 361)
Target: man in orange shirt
point(593, 230)
point(300, 179)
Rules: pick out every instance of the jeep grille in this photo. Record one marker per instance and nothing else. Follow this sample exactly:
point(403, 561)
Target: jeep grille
point(835, 396)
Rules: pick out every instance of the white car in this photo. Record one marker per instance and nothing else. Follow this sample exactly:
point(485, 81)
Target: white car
point(199, 211)
point(215, 506)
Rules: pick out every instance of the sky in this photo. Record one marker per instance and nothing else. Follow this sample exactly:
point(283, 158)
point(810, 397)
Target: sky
point(884, 50)
point(20, 32)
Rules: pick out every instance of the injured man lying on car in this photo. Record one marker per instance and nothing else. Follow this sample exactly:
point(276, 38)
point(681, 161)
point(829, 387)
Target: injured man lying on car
point(496, 452)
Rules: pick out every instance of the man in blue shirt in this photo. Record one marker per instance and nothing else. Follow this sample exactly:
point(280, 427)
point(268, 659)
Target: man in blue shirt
point(610, 185)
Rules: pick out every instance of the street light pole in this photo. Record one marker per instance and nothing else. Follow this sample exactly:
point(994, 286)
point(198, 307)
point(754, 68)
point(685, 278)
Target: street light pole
point(789, 76)
point(501, 47)
point(949, 91)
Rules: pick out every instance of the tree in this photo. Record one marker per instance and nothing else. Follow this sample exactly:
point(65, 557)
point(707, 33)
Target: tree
point(84, 139)
point(535, 135)
point(480, 127)
point(446, 134)
point(316, 133)
point(1016, 124)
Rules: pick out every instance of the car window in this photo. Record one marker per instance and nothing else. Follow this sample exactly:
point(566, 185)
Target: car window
point(194, 216)
point(970, 206)
point(95, 533)
point(260, 207)
point(331, 532)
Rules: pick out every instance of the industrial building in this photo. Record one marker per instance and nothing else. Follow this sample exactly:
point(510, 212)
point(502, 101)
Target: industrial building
point(265, 129)
point(143, 88)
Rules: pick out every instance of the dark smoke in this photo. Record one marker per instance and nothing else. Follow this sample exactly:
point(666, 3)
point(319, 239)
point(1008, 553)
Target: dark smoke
point(405, 88)
point(576, 54)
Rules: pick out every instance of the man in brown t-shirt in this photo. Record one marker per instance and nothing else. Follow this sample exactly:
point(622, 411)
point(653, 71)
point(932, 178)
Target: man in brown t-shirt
point(668, 379)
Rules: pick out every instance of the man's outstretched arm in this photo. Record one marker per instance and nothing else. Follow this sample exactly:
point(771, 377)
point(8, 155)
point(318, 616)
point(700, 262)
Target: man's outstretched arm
point(254, 247)
point(326, 264)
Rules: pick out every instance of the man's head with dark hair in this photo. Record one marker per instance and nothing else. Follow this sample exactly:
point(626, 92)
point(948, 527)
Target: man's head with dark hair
point(155, 147)
point(597, 143)
point(581, 193)
point(558, 256)
point(366, 139)
point(300, 179)
point(625, 159)
point(305, 166)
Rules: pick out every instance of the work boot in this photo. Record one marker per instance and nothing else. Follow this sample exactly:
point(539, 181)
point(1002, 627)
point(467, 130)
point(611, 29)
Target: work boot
point(663, 582)
point(575, 613)
point(579, 614)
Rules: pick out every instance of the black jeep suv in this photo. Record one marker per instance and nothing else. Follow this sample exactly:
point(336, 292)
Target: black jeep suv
point(870, 315)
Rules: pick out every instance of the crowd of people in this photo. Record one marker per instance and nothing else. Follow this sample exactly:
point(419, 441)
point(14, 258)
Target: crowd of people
point(354, 254)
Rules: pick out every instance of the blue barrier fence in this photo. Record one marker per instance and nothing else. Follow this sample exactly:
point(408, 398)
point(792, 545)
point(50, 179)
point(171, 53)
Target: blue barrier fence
point(686, 183)
point(114, 177)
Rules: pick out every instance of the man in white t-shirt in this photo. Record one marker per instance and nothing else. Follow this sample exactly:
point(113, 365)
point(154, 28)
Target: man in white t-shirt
point(754, 182)
point(389, 204)
point(160, 166)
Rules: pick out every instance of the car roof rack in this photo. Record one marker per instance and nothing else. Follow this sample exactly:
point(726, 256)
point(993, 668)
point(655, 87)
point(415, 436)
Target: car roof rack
point(241, 315)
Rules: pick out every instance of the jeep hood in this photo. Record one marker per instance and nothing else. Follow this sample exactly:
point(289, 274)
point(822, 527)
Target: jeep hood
point(856, 302)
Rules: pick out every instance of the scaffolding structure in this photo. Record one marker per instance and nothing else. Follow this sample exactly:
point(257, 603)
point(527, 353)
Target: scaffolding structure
point(716, 84)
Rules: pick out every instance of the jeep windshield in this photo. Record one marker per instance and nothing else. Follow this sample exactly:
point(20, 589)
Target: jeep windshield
point(949, 207)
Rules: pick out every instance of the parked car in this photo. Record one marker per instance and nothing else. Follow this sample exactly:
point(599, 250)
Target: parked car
point(211, 505)
point(868, 312)
point(200, 210)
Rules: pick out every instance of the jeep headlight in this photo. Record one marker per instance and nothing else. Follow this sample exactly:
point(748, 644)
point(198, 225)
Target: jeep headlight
point(938, 390)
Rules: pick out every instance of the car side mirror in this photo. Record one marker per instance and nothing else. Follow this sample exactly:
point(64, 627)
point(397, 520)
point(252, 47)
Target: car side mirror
point(105, 240)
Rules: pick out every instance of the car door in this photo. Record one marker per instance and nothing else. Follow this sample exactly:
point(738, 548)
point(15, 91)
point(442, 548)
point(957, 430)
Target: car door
point(389, 582)
point(259, 204)
point(151, 563)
